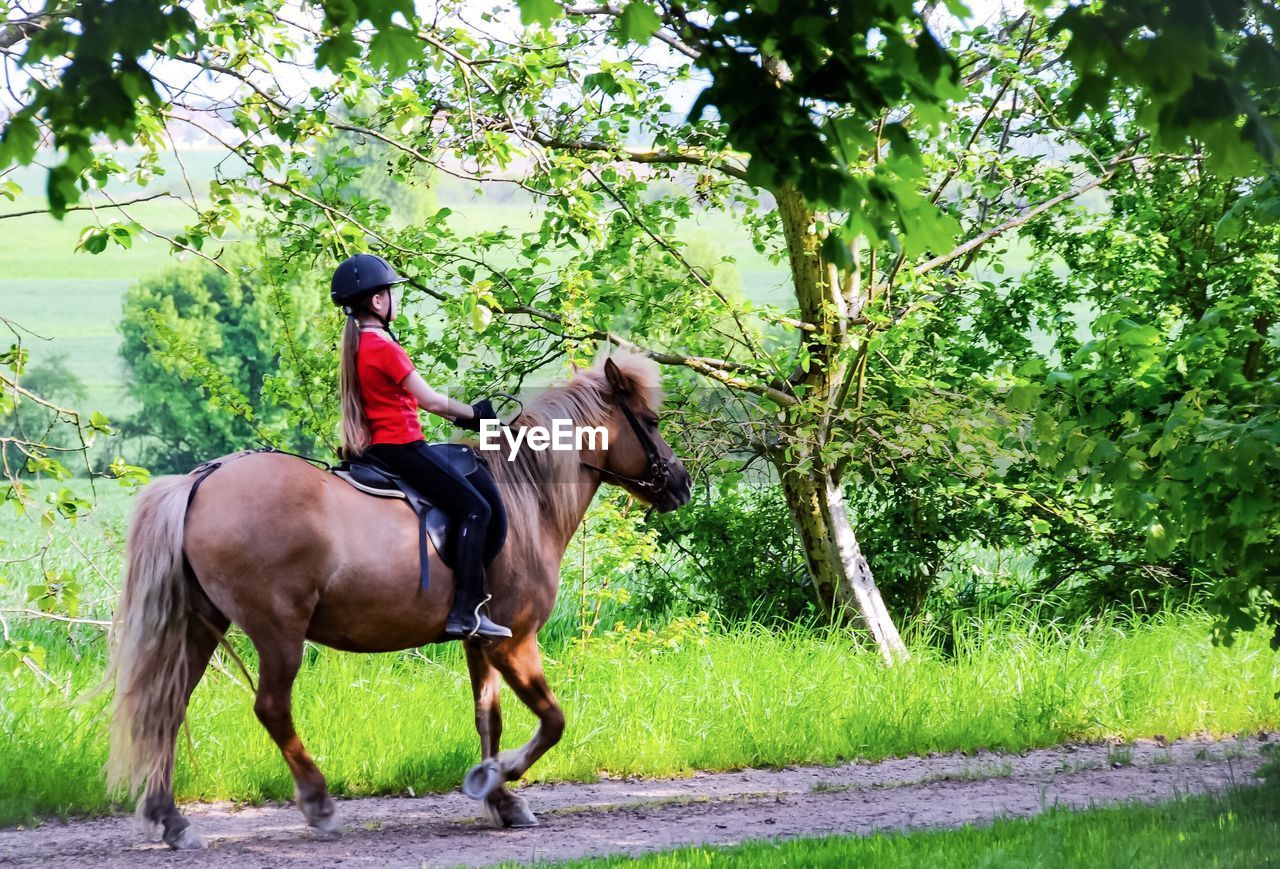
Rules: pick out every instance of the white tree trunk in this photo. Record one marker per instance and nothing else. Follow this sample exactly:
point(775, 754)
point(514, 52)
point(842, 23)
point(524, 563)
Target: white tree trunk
point(859, 583)
point(842, 578)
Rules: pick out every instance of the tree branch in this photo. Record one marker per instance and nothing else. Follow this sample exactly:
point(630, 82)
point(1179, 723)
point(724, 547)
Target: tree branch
point(54, 617)
point(723, 371)
point(640, 155)
point(662, 36)
point(973, 244)
point(90, 206)
point(17, 30)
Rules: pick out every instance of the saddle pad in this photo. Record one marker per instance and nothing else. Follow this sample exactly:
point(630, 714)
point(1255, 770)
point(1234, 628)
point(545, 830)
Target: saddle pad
point(370, 490)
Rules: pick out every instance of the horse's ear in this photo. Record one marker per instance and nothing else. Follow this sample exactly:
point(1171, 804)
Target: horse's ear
point(574, 368)
point(617, 380)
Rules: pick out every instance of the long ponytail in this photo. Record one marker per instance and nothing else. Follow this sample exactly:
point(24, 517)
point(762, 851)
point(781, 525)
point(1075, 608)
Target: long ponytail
point(355, 428)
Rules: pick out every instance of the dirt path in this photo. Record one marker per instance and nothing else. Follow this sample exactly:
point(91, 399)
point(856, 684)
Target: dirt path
point(613, 817)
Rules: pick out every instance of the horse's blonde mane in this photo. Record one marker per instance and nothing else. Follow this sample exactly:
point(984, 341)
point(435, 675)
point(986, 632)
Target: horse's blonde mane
point(536, 486)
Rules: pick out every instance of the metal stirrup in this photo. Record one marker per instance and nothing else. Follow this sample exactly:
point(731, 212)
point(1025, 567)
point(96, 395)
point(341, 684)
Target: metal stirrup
point(476, 615)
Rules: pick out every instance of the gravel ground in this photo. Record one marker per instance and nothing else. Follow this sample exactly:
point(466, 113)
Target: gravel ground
point(633, 816)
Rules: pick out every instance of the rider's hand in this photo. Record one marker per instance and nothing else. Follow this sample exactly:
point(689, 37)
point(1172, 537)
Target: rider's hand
point(481, 410)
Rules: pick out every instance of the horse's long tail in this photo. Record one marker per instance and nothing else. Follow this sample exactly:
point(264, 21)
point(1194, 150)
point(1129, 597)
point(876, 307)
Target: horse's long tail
point(149, 640)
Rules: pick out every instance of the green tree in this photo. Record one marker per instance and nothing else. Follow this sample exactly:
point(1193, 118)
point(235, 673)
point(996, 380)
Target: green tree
point(199, 343)
point(829, 389)
point(884, 159)
point(1167, 415)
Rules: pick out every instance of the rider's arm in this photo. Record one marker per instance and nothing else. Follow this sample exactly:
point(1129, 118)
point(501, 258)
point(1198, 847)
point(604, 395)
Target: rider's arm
point(432, 401)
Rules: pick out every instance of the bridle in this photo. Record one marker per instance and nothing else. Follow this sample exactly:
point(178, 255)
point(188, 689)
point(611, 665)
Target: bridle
point(659, 468)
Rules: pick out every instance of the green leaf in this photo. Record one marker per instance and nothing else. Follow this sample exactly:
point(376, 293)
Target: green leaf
point(602, 81)
point(93, 240)
point(638, 21)
point(1022, 398)
point(481, 317)
point(539, 11)
point(15, 358)
point(393, 48)
point(1159, 541)
point(1137, 335)
point(334, 52)
point(130, 476)
point(19, 142)
point(836, 252)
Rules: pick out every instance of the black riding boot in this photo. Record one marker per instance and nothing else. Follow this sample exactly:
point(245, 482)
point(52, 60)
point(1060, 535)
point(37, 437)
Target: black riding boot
point(465, 619)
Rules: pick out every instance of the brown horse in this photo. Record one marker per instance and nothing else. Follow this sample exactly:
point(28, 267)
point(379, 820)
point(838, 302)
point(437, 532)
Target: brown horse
point(290, 553)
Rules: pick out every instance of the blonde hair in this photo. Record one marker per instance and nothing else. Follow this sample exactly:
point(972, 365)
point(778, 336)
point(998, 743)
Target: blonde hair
point(355, 427)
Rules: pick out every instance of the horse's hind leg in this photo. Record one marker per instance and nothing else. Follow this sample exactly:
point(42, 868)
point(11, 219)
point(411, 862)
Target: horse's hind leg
point(279, 660)
point(520, 663)
point(157, 808)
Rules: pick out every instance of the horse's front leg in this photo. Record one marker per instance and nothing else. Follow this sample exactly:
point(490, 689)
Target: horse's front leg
point(520, 663)
point(485, 685)
point(503, 808)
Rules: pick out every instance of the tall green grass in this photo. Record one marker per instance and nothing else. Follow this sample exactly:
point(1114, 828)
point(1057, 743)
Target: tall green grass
point(388, 723)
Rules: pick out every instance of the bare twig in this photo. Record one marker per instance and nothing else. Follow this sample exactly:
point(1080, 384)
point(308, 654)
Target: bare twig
point(92, 206)
point(54, 617)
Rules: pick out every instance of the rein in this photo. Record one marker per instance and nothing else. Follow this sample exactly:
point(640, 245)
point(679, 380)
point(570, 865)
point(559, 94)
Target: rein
point(659, 468)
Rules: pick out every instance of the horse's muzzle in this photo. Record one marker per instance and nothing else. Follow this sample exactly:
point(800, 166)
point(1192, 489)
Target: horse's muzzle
point(677, 492)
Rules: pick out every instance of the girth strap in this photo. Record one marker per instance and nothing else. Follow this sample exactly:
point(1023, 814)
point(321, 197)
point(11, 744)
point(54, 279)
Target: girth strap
point(424, 556)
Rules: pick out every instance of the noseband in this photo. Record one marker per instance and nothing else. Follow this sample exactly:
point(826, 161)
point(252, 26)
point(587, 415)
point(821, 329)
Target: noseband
point(659, 468)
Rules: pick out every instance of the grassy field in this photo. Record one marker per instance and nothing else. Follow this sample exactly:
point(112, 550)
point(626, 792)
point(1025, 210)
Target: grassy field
point(1236, 830)
point(715, 702)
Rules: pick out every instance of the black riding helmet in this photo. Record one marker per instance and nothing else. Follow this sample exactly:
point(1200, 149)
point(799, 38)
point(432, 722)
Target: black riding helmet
point(358, 276)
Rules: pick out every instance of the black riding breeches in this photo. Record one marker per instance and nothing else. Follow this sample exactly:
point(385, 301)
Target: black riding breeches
point(465, 503)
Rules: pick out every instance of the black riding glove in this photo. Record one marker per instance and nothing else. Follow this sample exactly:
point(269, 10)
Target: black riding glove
point(481, 410)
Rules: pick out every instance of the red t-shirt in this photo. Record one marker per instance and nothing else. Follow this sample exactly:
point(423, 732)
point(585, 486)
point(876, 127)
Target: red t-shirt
point(391, 410)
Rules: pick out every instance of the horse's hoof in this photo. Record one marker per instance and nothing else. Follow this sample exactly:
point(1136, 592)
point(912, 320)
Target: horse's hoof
point(482, 780)
point(326, 829)
point(187, 840)
point(516, 815)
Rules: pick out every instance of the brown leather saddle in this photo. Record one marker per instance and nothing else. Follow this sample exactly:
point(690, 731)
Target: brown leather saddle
point(373, 478)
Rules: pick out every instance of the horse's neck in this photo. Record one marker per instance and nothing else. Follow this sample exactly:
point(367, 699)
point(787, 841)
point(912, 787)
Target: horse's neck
point(585, 491)
point(564, 519)
point(586, 484)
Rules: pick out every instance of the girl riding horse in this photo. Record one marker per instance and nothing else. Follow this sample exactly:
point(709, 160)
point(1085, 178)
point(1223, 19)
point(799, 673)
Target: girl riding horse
point(290, 553)
point(381, 394)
